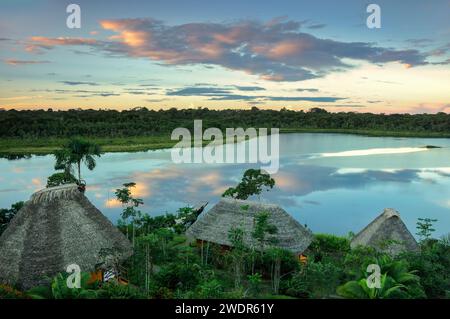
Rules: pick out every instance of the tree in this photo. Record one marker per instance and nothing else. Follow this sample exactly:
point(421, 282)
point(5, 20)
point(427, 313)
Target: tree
point(275, 254)
point(75, 152)
point(425, 228)
point(60, 179)
point(130, 205)
point(236, 237)
point(6, 215)
point(252, 183)
point(261, 230)
point(150, 243)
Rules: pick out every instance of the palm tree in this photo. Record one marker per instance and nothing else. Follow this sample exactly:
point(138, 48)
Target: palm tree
point(75, 152)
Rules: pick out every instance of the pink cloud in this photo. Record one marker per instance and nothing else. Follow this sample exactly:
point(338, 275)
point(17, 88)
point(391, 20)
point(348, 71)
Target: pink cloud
point(23, 62)
point(275, 51)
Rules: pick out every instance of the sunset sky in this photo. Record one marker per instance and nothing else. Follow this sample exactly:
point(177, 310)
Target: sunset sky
point(226, 54)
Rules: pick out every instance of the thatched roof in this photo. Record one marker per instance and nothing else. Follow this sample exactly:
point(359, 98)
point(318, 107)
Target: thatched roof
point(57, 227)
point(214, 225)
point(386, 233)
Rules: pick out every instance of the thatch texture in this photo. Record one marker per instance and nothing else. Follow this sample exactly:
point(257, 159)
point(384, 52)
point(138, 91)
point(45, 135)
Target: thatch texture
point(58, 226)
point(386, 233)
point(214, 225)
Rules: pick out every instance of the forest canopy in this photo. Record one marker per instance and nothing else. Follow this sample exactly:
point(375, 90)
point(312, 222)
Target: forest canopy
point(142, 121)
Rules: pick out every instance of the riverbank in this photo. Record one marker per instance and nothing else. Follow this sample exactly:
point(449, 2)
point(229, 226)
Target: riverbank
point(10, 147)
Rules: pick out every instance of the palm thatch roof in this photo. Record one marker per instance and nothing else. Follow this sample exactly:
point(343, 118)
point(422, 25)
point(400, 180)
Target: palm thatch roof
point(386, 233)
point(214, 225)
point(57, 227)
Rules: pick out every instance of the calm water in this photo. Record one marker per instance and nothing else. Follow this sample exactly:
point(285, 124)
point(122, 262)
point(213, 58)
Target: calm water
point(334, 183)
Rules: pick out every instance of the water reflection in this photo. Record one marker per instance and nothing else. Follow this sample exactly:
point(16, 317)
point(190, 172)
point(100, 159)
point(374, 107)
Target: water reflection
point(333, 194)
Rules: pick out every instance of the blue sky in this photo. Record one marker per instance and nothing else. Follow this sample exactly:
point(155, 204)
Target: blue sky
point(300, 54)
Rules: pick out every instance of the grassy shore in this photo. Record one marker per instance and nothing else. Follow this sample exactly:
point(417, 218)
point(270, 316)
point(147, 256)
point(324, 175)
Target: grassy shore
point(43, 146)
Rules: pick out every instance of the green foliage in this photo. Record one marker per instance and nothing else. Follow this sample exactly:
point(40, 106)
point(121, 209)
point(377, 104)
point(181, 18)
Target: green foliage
point(130, 205)
point(58, 289)
point(252, 183)
point(314, 280)
point(75, 152)
point(237, 253)
point(425, 228)
point(60, 179)
point(432, 264)
point(262, 228)
point(360, 290)
point(114, 290)
point(254, 283)
point(210, 289)
point(328, 247)
point(8, 292)
point(147, 122)
point(397, 281)
point(178, 276)
point(6, 215)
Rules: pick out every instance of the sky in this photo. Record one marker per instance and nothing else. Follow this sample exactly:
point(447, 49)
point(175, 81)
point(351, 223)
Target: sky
point(226, 54)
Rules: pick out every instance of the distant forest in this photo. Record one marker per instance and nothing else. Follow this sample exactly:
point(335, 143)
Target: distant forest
point(142, 121)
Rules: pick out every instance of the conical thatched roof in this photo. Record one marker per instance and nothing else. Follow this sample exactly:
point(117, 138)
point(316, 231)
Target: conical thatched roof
point(215, 225)
point(386, 233)
point(57, 227)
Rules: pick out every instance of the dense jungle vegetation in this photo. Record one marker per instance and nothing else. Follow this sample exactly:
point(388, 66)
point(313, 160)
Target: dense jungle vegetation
point(143, 122)
point(23, 133)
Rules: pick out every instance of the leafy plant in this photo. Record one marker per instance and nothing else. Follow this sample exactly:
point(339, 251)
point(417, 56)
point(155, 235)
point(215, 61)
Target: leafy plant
point(9, 292)
point(58, 289)
point(396, 279)
point(360, 290)
point(6, 215)
point(60, 179)
point(252, 183)
point(425, 228)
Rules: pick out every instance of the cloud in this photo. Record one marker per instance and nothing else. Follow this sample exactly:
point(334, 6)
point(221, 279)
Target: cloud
point(235, 97)
point(81, 93)
point(273, 51)
point(317, 26)
point(249, 88)
point(422, 42)
point(222, 94)
point(23, 62)
point(79, 83)
point(307, 90)
point(195, 91)
point(306, 98)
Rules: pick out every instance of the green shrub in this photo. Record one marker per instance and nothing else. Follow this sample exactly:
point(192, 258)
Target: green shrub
point(432, 264)
point(8, 292)
point(114, 290)
point(315, 280)
point(326, 247)
point(178, 276)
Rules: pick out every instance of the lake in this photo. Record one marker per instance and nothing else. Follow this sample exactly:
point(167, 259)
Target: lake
point(333, 183)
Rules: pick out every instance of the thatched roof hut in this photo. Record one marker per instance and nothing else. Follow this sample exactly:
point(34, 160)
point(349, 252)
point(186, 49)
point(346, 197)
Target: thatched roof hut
point(386, 233)
point(214, 225)
point(57, 227)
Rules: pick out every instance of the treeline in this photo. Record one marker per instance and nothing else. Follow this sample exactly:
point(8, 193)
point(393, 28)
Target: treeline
point(142, 121)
